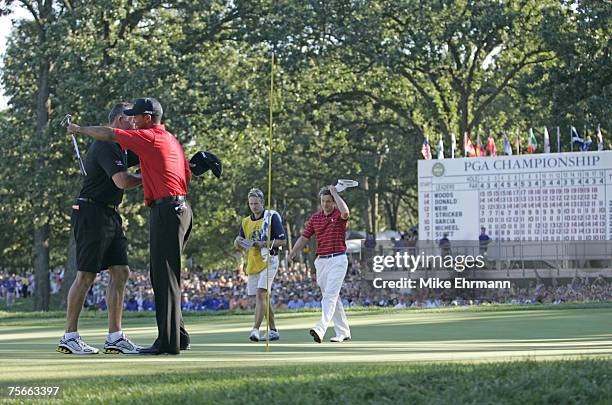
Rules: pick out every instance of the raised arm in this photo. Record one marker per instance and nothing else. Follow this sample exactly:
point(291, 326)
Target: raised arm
point(99, 133)
point(340, 203)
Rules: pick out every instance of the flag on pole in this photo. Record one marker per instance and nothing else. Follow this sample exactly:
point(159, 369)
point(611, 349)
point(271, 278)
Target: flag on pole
point(426, 149)
point(576, 138)
point(600, 142)
point(558, 140)
point(518, 143)
point(532, 143)
point(507, 146)
point(467, 146)
point(480, 150)
point(579, 141)
point(440, 148)
point(491, 145)
point(546, 141)
point(453, 145)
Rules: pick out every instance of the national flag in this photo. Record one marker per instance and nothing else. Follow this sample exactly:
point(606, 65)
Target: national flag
point(518, 144)
point(532, 143)
point(480, 150)
point(491, 145)
point(558, 140)
point(576, 138)
point(467, 146)
point(507, 146)
point(579, 141)
point(600, 142)
point(440, 148)
point(453, 145)
point(546, 141)
point(426, 149)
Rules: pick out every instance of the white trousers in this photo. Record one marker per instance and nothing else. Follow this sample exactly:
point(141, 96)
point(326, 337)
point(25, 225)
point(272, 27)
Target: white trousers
point(330, 276)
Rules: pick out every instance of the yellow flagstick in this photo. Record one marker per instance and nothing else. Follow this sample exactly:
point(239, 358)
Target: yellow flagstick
point(269, 219)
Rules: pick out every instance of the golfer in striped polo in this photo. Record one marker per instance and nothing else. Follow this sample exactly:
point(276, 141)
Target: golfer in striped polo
point(329, 227)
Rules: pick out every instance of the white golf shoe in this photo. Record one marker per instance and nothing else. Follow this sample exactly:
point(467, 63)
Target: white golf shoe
point(254, 336)
point(274, 335)
point(123, 345)
point(316, 335)
point(75, 345)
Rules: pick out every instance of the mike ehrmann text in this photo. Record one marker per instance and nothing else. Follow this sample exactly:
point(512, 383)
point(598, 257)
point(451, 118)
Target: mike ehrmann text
point(433, 282)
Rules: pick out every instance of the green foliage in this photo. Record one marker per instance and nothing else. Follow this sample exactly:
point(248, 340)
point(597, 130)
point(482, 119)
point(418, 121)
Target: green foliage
point(576, 89)
point(357, 85)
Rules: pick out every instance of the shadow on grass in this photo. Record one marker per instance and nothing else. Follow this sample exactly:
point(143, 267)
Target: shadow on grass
point(23, 312)
point(517, 382)
point(212, 350)
point(380, 332)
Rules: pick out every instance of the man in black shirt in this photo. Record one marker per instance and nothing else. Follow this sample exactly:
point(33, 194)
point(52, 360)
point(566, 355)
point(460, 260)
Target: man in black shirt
point(101, 242)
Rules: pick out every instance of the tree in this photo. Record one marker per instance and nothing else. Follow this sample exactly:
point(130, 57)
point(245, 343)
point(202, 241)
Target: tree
point(44, 15)
point(575, 89)
point(358, 85)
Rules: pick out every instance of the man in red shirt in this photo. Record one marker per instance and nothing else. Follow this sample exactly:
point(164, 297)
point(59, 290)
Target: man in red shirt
point(329, 227)
point(165, 174)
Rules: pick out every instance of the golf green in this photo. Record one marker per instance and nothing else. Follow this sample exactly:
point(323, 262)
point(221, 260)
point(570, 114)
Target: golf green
point(402, 341)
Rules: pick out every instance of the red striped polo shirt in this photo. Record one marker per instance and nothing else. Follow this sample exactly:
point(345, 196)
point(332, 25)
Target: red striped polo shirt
point(329, 231)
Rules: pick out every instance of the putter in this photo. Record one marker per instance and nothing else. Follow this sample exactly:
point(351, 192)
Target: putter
point(67, 120)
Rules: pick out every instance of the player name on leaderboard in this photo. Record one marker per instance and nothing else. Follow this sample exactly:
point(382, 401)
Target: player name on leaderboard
point(539, 197)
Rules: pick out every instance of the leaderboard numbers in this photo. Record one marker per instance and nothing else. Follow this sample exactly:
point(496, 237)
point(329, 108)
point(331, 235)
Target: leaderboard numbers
point(558, 197)
point(551, 206)
point(426, 212)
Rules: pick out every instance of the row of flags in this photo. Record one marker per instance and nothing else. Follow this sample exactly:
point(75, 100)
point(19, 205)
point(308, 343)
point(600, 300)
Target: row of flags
point(478, 150)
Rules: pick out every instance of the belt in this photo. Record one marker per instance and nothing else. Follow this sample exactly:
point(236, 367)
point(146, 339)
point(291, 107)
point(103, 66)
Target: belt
point(330, 255)
point(94, 202)
point(168, 200)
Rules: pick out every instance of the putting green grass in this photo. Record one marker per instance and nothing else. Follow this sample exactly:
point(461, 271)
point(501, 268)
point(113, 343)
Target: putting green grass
point(554, 355)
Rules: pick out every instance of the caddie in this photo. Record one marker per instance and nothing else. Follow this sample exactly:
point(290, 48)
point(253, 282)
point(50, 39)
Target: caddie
point(252, 239)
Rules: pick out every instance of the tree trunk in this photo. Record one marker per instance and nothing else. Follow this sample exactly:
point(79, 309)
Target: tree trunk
point(375, 195)
point(287, 224)
point(43, 107)
point(368, 210)
point(41, 268)
point(391, 208)
point(463, 107)
point(70, 270)
point(374, 209)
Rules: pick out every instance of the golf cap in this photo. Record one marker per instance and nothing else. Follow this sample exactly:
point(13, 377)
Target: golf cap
point(204, 161)
point(145, 106)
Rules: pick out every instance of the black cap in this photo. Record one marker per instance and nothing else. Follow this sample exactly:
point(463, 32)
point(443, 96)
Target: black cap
point(145, 106)
point(204, 161)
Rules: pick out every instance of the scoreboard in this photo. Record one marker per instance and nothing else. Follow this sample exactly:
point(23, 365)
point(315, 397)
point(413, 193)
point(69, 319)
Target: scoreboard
point(539, 197)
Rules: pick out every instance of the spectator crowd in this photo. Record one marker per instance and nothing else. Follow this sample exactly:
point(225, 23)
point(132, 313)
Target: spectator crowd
point(296, 289)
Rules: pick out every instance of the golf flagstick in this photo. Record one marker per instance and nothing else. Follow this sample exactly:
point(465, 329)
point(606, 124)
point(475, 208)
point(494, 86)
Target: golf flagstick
point(269, 205)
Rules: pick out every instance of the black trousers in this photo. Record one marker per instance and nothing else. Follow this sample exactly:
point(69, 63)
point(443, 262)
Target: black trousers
point(169, 229)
